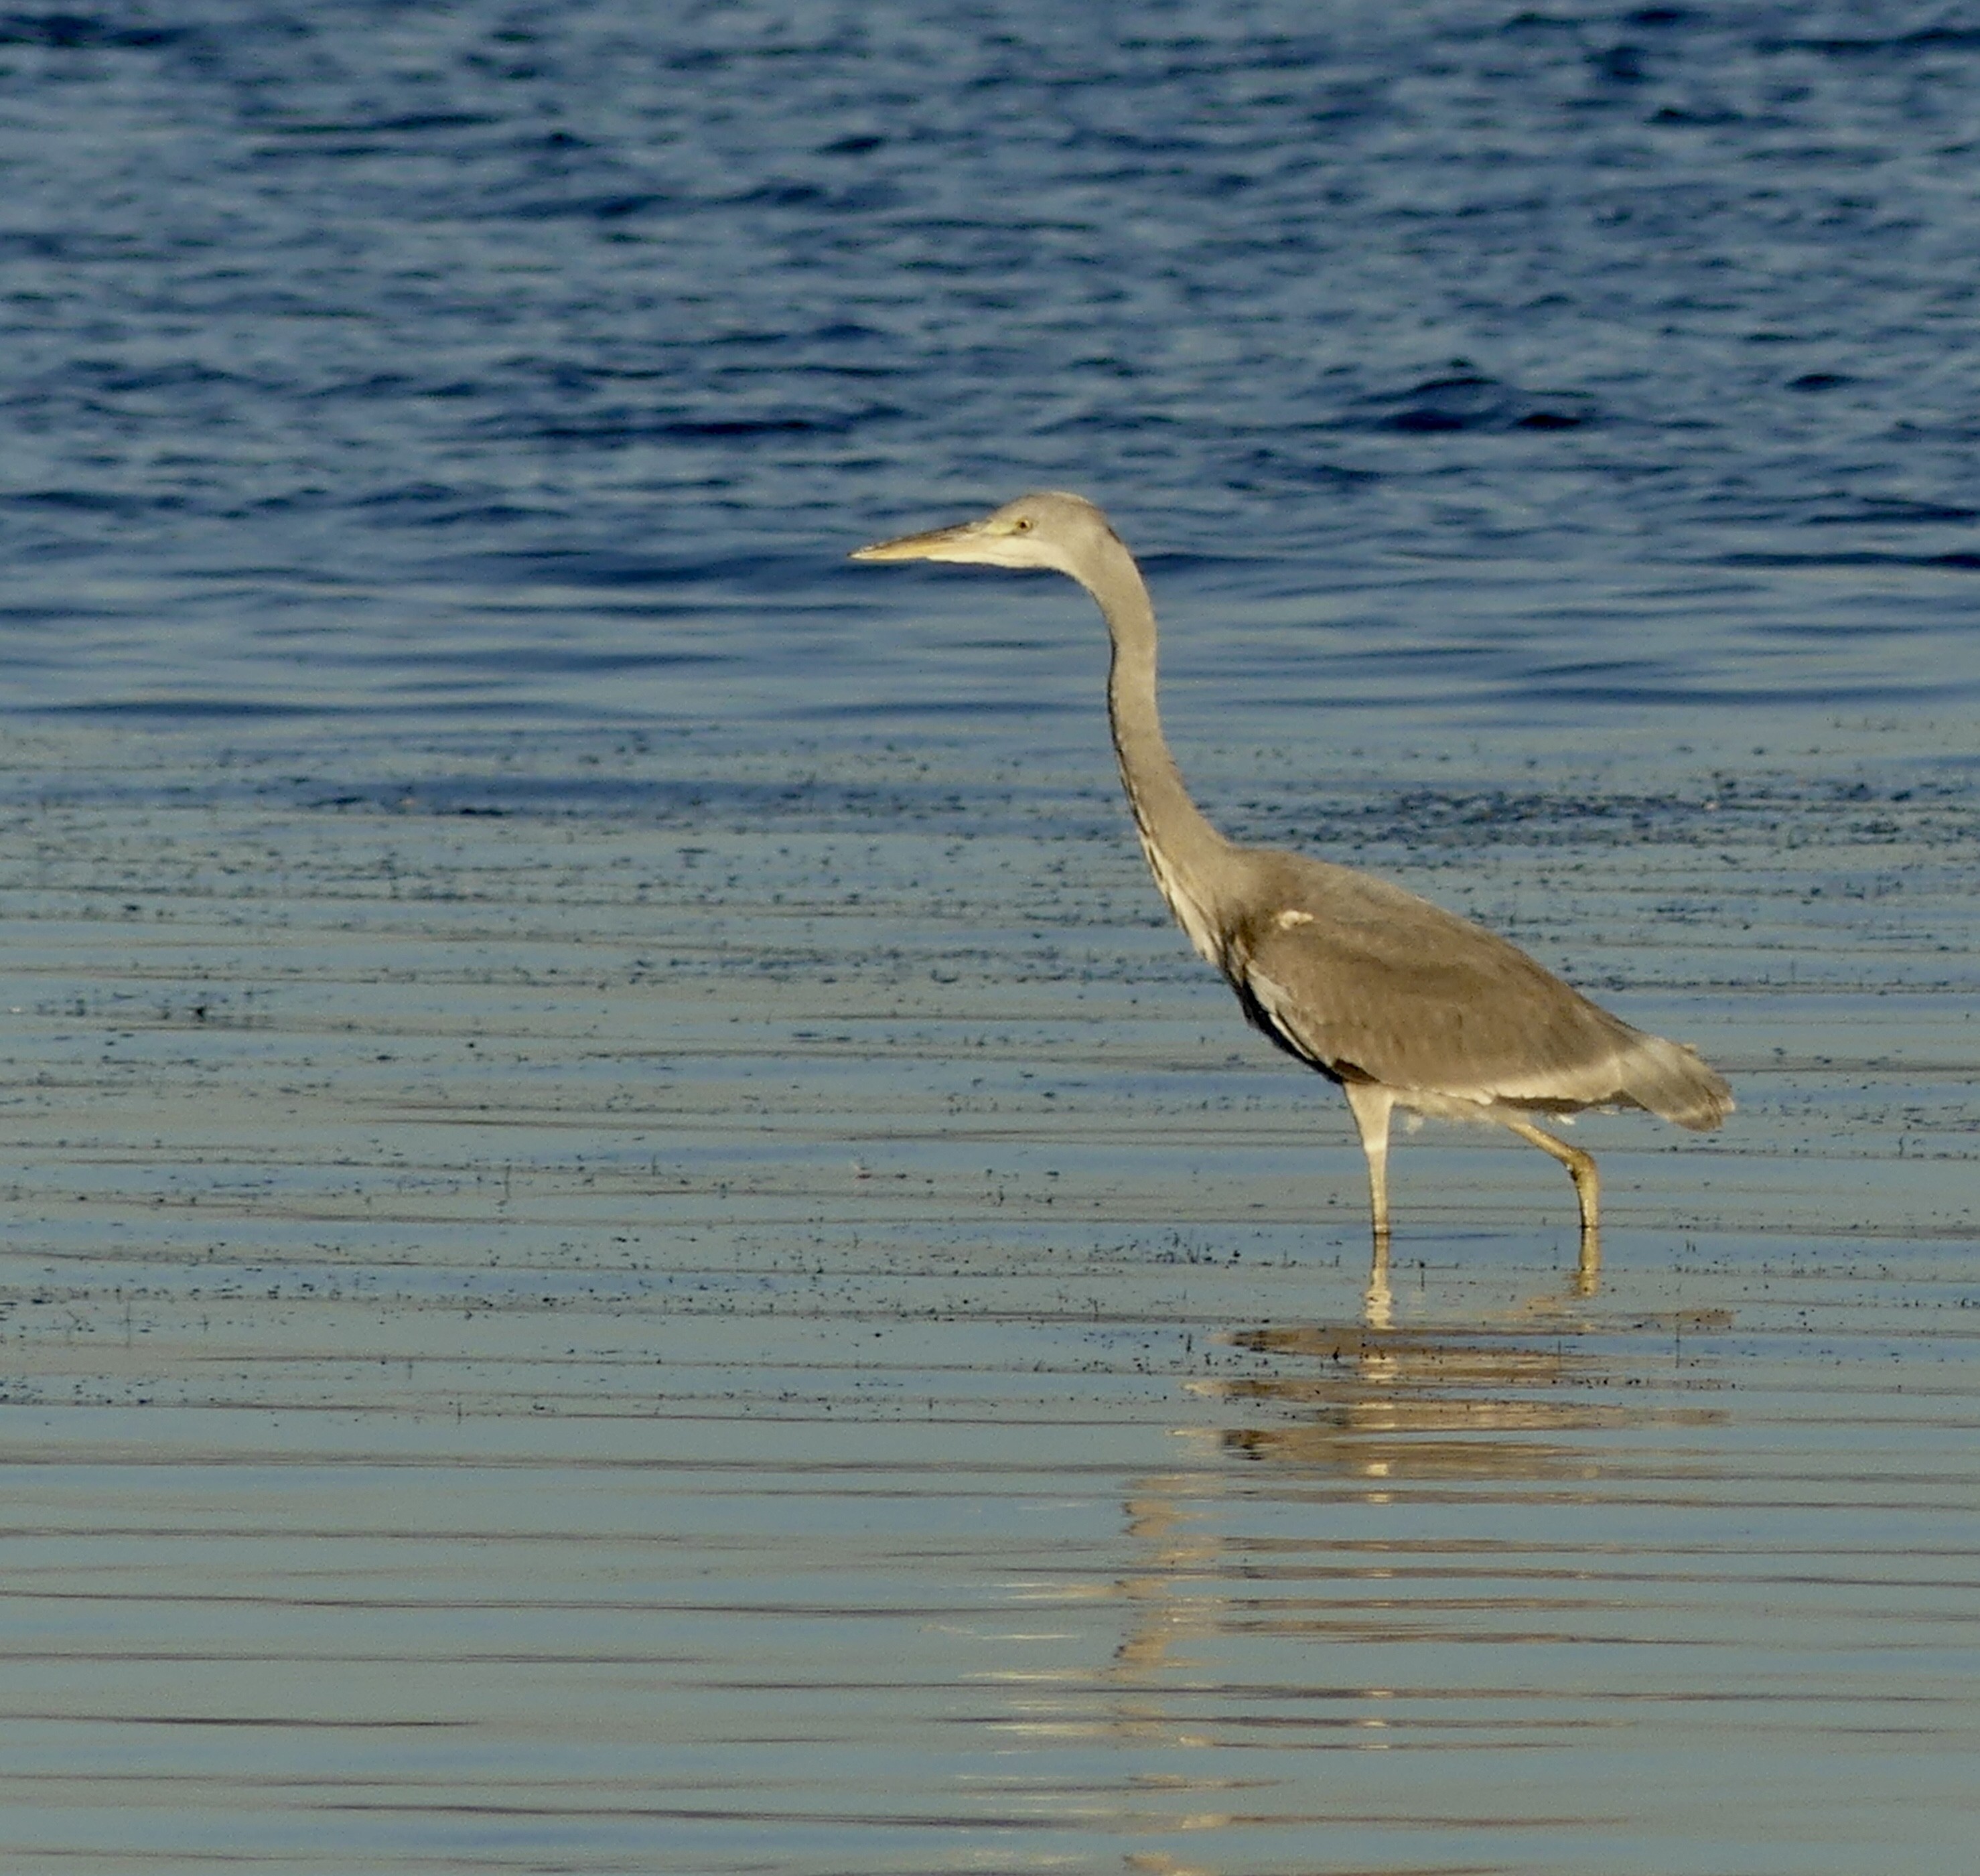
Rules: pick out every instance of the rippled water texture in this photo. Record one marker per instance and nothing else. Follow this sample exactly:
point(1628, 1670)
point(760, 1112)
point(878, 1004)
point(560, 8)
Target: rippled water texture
point(629, 1243)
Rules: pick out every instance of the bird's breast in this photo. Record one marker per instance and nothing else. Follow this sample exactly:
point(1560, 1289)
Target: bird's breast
point(1189, 912)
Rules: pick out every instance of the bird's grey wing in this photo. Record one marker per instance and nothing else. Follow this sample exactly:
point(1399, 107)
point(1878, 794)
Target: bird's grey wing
point(1369, 982)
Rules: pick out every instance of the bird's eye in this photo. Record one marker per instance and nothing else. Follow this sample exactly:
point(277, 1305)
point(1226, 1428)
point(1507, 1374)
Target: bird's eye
point(1022, 525)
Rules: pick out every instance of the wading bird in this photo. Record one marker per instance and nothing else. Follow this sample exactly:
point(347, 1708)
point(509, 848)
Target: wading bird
point(1403, 1004)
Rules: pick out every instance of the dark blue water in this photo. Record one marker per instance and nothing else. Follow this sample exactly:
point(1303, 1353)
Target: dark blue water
point(514, 359)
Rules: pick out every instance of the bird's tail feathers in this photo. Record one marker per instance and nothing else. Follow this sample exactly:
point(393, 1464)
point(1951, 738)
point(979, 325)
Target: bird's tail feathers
point(1670, 1079)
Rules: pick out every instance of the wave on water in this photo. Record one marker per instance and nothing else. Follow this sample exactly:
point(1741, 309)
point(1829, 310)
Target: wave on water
point(694, 301)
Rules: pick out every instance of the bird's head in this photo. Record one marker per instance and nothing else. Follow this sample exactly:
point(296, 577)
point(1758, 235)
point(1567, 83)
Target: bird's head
point(1043, 530)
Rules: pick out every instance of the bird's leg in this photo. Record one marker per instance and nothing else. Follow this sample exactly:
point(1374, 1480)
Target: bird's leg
point(1581, 1169)
point(1588, 1266)
point(1371, 1104)
point(1378, 1300)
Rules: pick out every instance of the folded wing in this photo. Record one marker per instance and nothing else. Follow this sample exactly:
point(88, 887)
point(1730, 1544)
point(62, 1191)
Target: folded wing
point(1368, 982)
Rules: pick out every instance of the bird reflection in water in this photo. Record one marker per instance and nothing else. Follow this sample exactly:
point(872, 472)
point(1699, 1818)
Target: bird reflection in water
point(1372, 1401)
point(1359, 1412)
point(1378, 1298)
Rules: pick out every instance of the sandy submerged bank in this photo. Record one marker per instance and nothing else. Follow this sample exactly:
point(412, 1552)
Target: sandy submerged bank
point(535, 1269)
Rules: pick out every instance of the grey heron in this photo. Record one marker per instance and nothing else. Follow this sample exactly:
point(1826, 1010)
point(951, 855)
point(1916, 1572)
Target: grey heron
point(1401, 1003)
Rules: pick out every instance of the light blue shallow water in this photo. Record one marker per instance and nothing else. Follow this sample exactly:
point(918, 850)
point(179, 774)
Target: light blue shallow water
point(628, 1244)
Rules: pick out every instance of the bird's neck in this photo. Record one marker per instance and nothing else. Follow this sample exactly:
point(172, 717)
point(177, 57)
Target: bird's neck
point(1184, 850)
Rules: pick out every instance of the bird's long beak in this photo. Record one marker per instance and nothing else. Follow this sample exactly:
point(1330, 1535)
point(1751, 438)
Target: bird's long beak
point(929, 546)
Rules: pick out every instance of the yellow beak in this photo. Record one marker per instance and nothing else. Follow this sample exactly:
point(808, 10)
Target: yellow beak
point(927, 546)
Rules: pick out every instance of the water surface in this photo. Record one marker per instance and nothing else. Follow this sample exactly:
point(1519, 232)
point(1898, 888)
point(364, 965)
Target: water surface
point(631, 1245)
